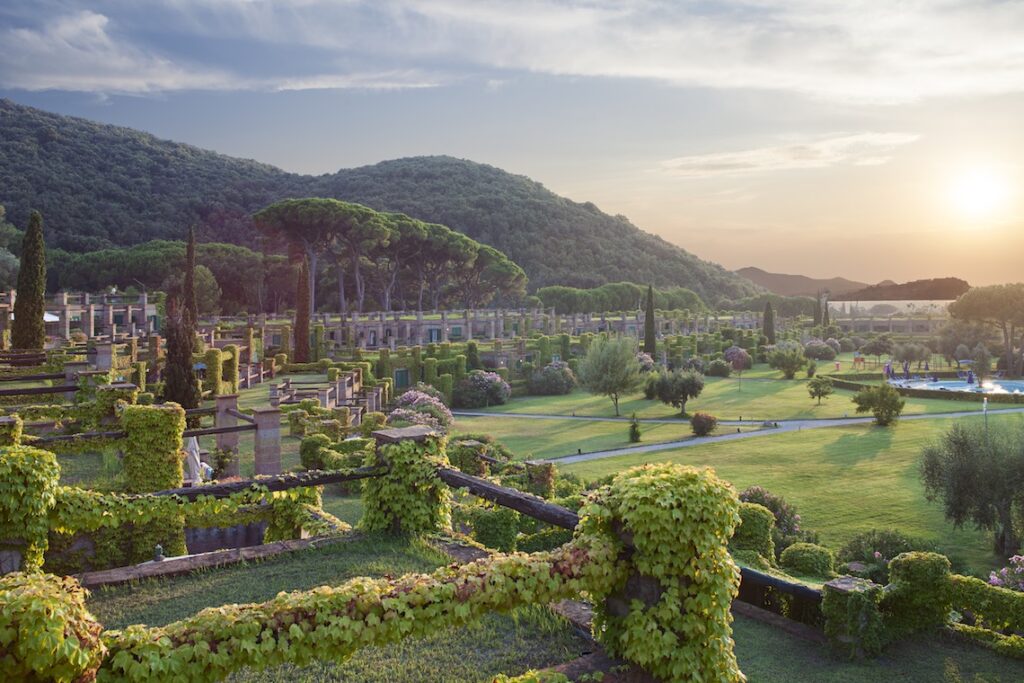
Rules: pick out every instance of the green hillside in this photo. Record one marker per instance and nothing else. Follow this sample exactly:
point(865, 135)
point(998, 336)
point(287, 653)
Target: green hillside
point(100, 186)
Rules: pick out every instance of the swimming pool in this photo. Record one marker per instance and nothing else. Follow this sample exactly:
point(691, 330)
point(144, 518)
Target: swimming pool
point(992, 386)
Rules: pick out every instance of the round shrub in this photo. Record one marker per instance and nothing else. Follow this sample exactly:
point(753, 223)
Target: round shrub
point(481, 389)
point(718, 368)
point(816, 349)
point(808, 559)
point(651, 386)
point(834, 344)
point(787, 529)
point(553, 379)
point(847, 345)
point(738, 358)
point(310, 451)
point(703, 424)
point(427, 404)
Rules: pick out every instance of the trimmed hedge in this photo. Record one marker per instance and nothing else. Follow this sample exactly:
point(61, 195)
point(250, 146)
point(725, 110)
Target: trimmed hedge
point(808, 559)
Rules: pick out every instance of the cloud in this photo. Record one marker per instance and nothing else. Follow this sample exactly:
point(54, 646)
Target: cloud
point(860, 51)
point(858, 149)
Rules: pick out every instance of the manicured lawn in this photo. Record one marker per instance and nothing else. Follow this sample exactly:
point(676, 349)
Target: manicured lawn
point(843, 480)
point(511, 643)
point(768, 655)
point(756, 399)
point(554, 438)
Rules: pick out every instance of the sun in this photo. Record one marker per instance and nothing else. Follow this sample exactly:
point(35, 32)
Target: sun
point(980, 193)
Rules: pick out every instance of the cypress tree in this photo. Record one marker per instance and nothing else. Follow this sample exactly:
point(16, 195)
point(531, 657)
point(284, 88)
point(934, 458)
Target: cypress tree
point(825, 322)
point(180, 383)
point(817, 309)
point(768, 322)
point(302, 313)
point(190, 276)
point(29, 330)
point(650, 345)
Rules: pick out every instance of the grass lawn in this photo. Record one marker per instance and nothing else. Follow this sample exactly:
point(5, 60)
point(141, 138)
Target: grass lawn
point(512, 643)
point(554, 438)
point(756, 399)
point(767, 655)
point(843, 480)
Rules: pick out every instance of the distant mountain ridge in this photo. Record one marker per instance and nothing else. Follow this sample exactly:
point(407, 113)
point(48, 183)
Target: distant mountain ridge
point(799, 285)
point(100, 186)
point(917, 290)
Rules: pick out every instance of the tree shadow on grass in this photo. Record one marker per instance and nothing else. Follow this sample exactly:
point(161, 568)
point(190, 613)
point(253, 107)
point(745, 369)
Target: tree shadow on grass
point(851, 449)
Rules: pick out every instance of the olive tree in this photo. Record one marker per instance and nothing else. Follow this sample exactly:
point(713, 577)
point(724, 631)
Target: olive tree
point(978, 474)
point(789, 358)
point(610, 368)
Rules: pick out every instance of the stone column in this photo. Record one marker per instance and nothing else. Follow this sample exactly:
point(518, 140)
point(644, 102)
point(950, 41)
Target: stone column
point(65, 322)
point(104, 356)
point(444, 326)
point(229, 441)
point(323, 395)
point(268, 440)
point(108, 318)
point(275, 396)
point(89, 321)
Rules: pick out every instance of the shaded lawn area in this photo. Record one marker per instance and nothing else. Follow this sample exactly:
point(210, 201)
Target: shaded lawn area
point(842, 480)
point(768, 655)
point(509, 643)
point(756, 399)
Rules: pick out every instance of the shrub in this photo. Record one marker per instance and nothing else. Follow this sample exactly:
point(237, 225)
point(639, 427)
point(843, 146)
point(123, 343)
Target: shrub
point(834, 344)
point(495, 527)
point(634, 430)
point(919, 594)
point(876, 548)
point(1011, 577)
point(755, 531)
point(718, 368)
point(789, 358)
point(309, 451)
point(651, 386)
point(808, 559)
point(428, 404)
point(847, 345)
point(787, 530)
point(553, 379)
point(738, 358)
point(703, 424)
point(481, 389)
point(645, 360)
point(371, 422)
point(819, 350)
point(882, 401)
point(812, 368)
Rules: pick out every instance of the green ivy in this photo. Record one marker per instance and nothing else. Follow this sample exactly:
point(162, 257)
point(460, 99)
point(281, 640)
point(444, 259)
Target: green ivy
point(661, 510)
point(152, 451)
point(28, 488)
point(46, 632)
point(853, 619)
point(919, 594)
point(755, 531)
point(409, 498)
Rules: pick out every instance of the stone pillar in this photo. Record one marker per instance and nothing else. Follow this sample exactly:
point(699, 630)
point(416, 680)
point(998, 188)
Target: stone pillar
point(323, 395)
point(268, 440)
point(108, 318)
point(104, 356)
point(65, 322)
point(229, 441)
point(89, 321)
point(490, 330)
point(444, 326)
point(275, 396)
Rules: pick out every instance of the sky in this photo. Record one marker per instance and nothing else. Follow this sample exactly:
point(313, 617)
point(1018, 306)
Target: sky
point(866, 139)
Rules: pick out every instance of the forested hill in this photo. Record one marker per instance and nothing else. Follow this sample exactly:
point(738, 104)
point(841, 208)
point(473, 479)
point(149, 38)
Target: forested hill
point(100, 186)
point(918, 290)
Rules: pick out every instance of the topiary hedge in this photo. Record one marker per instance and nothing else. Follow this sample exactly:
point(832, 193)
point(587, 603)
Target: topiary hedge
point(409, 498)
point(28, 489)
point(808, 559)
point(754, 532)
point(919, 594)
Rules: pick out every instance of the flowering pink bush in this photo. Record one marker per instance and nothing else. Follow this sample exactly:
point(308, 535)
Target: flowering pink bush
point(480, 389)
point(415, 401)
point(1011, 577)
point(645, 360)
point(405, 417)
point(738, 358)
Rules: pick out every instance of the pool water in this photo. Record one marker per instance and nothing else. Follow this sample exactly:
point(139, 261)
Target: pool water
point(992, 386)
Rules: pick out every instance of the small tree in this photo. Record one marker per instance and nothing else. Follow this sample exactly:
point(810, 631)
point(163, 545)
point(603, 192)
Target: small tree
point(982, 361)
point(703, 424)
point(789, 358)
point(877, 347)
point(740, 361)
point(29, 329)
point(882, 401)
point(979, 476)
point(650, 343)
point(677, 387)
point(820, 387)
point(634, 430)
point(610, 368)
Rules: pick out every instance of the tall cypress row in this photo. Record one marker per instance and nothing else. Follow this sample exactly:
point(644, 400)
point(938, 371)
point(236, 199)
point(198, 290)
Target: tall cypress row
point(768, 322)
point(29, 330)
point(302, 312)
point(190, 276)
point(650, 344)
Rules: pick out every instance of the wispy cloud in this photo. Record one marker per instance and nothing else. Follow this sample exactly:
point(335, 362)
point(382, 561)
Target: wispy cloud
point(859, 149)
point(861, 51)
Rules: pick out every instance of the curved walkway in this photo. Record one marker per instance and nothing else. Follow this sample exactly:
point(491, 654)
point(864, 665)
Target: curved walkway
point(783, 427)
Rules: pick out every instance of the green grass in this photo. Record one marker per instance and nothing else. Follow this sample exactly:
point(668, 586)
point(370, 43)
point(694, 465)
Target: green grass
point(555, 438)
point(756, 399)
point(843, 480)
point(768, 655)
point(512, 643)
